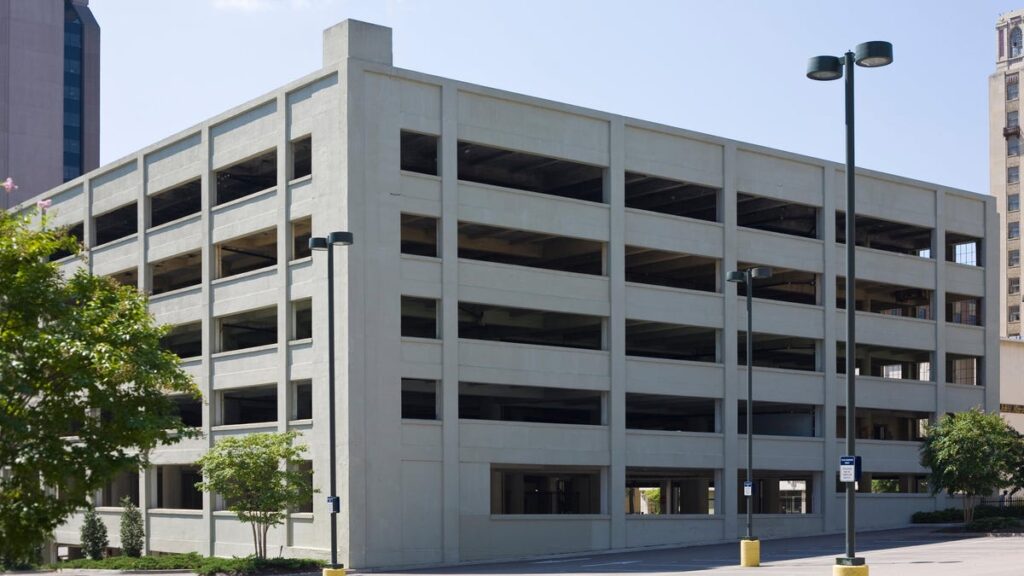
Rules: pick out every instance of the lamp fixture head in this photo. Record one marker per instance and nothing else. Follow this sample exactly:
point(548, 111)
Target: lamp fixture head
point(761, 273)
point(824, 68)
point(342, 238)
point(318, 243)
point(736, 276)
point(873, 54)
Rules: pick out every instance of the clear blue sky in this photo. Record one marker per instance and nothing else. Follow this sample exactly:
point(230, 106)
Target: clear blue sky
point(727, 67)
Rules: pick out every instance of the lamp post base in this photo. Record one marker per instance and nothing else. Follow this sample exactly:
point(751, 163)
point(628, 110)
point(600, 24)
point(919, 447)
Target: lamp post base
point(335, 571)
point(750, 553)
point(846, 566)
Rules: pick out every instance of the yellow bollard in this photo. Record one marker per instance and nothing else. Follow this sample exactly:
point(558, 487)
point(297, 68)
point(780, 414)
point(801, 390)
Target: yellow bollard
point(750, 553)
point(861, 570)
point(334, 572)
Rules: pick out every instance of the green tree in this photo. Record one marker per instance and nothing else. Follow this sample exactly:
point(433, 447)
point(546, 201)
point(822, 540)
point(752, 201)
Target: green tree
point(94, 535)
point(258, 476)
point(971, 453)
point(132, 530)
point(83, 383)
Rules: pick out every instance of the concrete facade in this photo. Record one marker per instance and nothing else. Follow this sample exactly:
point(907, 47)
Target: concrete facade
point(442, 489)
point(44, 121)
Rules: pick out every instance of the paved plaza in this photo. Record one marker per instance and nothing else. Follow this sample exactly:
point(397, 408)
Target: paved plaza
point(905, 552)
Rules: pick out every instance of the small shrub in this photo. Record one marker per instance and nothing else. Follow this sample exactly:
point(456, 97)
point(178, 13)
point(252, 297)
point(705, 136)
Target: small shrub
point(938, 516)
point(94, 535)
point(248, 566)
point(992, 524)
point(132, 531)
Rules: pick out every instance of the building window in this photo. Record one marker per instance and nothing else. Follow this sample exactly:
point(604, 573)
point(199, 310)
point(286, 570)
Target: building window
point(962, 370)
point(545, 491)
point(302, 400)
point(1011, 119)
point(1015, 43)
point(249, 405)
point(1013, 174)
point(1012, 87)
point(176, 488)
point(778, 492)
point(1013, 285)
point(1013, 258)
point(1013, 202)
point(302, 157)
point(1013, 230)
point(670, 491)
point(1013, 315)
point(419, 399)
point(1013, 145)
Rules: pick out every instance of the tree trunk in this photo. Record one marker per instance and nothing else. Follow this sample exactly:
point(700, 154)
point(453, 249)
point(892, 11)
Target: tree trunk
point(255, 538)
point(968, 509)
point(266, 528)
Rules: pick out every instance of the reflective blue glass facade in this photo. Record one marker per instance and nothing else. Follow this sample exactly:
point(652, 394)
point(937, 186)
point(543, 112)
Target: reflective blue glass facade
point(73, 88)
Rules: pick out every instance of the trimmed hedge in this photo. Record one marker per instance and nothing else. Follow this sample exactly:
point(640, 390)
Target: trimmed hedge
point(988, 511)
point(198, 564)
point(938, 517)
point(992, 523)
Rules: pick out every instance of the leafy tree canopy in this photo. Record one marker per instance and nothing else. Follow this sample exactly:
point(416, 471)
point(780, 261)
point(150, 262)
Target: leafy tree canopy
point(80, 357)
point(259, 476)
point(972, 453)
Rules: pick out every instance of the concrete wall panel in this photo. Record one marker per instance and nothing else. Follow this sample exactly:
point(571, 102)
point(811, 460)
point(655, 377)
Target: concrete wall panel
point(482, 204)
point(532, 288)
point(174, 164)
point(775, 177)
point(673, 233)
point(657, 449)
point(673, 156)
point(662, 304)
point(249, 133)
point(527, 127)
point(529, 365)
point(115, 188)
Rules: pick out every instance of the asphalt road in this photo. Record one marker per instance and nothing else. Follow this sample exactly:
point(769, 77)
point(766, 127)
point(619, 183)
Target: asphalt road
point(905, 552)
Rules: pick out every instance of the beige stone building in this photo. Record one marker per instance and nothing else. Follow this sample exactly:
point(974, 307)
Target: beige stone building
point(537, 350)
point(1004, 179)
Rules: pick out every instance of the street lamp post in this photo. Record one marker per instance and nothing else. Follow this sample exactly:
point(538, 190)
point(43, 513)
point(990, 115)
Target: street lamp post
point(750, 549)
point(327, 243)
point(869, 55)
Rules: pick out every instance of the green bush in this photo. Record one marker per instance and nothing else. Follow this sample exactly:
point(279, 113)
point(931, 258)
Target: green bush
point(198, 564)
point(993, 523)
point(132, 531)
point(938, 516)
point(94, 535)
point(988, 511)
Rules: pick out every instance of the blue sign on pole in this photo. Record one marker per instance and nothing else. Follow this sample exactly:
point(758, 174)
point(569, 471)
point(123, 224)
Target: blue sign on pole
point(849, 468)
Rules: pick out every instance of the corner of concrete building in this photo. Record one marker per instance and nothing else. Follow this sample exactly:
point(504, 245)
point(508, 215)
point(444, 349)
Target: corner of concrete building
point(357, 40)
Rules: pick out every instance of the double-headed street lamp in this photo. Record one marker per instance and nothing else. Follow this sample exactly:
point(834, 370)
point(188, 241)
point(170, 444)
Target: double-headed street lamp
point(328, 243)
point(750, 549)
point(869, 55)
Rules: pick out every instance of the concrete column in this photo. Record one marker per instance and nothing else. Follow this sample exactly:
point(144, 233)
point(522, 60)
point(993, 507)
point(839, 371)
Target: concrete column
point(449, 252)
point(992, 310)
point(615, 194)
point(144, 281)
point(727, 491)
point(284, 313)
point(209, 329)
